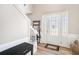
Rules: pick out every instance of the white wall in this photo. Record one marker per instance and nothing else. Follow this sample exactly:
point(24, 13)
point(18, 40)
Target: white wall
point(25, 8)
point(13, 26)
point(73, 19)
point(73, 10)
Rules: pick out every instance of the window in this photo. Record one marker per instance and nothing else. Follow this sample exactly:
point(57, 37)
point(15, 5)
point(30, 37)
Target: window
point(56, 23)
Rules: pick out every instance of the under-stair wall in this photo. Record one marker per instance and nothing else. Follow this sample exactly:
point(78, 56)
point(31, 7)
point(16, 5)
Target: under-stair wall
point(14, 25)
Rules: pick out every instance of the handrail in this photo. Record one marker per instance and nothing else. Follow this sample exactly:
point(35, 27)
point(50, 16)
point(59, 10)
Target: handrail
point(34, 30)
point(25, 16)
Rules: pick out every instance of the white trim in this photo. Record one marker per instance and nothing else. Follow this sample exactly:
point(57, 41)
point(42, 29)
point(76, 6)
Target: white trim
point(13, 43)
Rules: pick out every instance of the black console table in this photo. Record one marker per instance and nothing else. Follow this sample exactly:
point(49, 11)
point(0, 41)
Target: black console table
point(20, 49)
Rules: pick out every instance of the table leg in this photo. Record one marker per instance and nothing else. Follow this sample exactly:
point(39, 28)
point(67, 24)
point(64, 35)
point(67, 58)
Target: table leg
point(31, 51)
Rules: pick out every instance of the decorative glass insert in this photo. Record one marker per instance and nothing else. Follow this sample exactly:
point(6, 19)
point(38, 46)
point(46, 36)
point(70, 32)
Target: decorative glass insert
point(56, 23)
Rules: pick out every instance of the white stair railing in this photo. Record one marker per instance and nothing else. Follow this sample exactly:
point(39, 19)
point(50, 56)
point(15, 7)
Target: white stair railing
point(26, 17)
point(22, 13)
point(35, 31)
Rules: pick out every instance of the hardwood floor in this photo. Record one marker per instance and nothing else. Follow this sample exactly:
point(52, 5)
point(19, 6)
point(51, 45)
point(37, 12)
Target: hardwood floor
point(41, 50)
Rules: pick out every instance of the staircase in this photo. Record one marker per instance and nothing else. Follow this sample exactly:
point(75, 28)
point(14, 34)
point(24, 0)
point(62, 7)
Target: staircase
point(33, 32)
point(15, 26)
